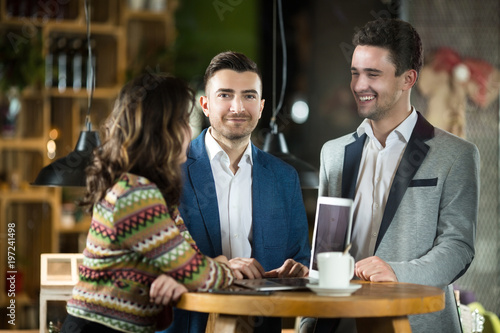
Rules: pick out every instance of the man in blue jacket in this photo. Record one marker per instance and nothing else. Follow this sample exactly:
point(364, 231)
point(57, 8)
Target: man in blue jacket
point(239, 201)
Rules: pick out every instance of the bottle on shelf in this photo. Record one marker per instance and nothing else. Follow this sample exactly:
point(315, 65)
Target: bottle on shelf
point(22, 8)
point(12, 8)
point(157, 5)
point(34, 9)
point(44, 9)
point(60, 12)
point(62, 63)
point(49, 63)
point(75, 60)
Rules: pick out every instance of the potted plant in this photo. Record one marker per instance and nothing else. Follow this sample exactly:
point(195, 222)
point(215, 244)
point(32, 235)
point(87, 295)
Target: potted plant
point(21, 66)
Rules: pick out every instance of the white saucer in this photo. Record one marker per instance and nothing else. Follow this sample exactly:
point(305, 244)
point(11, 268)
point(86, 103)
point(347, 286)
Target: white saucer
point(347, 291)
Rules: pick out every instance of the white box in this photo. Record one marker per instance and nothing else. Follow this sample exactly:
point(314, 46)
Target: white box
point(58, 275)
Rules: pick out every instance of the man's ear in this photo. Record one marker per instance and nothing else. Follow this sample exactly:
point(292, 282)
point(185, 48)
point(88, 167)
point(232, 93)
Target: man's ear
point(204, 104)
point(410, 78)
point(261, 107)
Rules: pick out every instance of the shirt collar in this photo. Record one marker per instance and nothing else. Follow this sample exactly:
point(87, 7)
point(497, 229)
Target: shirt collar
point(247, 155)
point(214, 149)
point(404, 129)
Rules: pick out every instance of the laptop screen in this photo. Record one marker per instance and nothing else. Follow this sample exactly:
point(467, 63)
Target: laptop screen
point(332, 228)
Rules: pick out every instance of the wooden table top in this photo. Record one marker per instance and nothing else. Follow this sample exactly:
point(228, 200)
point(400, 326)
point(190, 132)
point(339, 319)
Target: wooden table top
point(384, 299)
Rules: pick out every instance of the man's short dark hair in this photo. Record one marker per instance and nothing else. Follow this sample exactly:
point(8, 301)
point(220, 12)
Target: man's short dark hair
point(397, 36)
point(235, 61)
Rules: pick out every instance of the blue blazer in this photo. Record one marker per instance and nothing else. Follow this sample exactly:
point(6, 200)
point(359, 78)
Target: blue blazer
point(279, 222)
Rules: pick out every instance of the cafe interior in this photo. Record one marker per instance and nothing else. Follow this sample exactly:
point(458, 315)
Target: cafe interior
point(49, 112)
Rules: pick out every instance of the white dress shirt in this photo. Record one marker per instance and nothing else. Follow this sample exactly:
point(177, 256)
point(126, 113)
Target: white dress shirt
point(234, 197)
point(377, 170)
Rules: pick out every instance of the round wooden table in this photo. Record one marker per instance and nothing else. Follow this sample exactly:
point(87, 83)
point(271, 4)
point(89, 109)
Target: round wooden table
point(377, 307)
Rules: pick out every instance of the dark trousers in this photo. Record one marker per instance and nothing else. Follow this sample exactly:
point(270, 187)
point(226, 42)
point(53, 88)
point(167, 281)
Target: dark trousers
point(319, 325)
point(78, 325)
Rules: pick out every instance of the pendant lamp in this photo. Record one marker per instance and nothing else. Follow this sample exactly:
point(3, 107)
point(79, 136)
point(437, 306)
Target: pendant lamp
point(275, 142)
point(70, 170)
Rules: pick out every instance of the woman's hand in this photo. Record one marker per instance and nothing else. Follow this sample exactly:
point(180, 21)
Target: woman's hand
point(165, 290)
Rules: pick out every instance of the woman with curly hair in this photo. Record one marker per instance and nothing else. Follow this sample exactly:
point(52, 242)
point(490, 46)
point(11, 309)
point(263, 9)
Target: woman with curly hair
point(139, 255)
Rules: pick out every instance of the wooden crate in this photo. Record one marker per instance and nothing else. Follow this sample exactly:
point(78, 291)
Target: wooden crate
point(58, 275)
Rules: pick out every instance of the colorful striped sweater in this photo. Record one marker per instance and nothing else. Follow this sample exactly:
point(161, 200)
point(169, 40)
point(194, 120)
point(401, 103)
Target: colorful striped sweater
point(133, 239)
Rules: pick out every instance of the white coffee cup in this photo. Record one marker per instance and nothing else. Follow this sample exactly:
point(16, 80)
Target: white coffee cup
point(335, 269)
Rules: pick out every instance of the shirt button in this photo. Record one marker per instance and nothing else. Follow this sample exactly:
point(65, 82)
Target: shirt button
point(235, 235)
point(374, 234)
point(375, 205)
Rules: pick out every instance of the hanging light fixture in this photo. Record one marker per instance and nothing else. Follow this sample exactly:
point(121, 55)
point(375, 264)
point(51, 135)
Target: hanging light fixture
point(70, 170)
point(275, 142)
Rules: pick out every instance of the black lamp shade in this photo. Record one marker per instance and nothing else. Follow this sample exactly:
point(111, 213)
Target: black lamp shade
point(275, 144)
point(70, 170)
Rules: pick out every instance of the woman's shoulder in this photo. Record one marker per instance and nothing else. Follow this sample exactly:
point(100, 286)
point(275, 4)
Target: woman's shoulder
point(127, 184)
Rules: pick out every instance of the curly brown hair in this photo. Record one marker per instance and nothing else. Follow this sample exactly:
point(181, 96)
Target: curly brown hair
point(143, 135)
point(397, 36)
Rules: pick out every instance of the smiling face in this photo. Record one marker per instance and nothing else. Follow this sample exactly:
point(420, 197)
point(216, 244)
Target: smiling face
point(233, 104)
point(377, 90)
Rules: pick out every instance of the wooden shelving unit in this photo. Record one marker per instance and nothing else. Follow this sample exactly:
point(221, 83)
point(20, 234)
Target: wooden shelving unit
point(122, 36)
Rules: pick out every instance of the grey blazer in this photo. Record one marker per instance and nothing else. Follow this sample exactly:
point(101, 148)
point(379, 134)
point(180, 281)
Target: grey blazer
point(429, 223)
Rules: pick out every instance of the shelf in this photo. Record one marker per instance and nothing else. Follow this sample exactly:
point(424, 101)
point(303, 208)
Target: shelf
point(80, 28)
point(19, 22)
point(99, 93)
point(78, 227)
point(144, 15)
point(30, 93)
point(124, 41)
point(57, 12)
point(24, 144)
point(32, 194)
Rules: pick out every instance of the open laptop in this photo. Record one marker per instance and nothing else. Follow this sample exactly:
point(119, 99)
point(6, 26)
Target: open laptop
point(332, 232)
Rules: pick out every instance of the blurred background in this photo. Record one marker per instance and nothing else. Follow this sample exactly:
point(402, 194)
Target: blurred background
point(43, 106)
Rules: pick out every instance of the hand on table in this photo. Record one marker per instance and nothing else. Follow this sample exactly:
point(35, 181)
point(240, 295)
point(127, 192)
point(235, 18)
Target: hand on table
point(246, 268)
point(374, 269)
point(165, 290)
point(290, 268)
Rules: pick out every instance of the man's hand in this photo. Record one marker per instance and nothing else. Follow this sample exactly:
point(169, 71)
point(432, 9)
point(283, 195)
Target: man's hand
point(290, 268)
point(165, 290)
point(246, 268)
point(374, 269)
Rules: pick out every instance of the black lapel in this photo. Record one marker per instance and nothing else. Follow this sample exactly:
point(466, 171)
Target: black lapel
point(352, 159)
point(414, 155)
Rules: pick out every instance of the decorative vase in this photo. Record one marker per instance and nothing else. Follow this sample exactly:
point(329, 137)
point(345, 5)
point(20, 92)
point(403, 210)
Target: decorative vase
point(10, 107)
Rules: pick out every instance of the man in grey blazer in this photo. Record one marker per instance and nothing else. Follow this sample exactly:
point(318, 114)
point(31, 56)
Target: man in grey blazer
point(415, 187)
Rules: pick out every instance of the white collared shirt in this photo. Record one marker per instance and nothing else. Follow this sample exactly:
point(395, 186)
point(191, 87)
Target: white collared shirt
point(234, 197)
point(376, 172)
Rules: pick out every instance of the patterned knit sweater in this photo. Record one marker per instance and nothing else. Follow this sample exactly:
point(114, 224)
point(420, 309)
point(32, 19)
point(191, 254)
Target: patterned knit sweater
point(133, 239)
